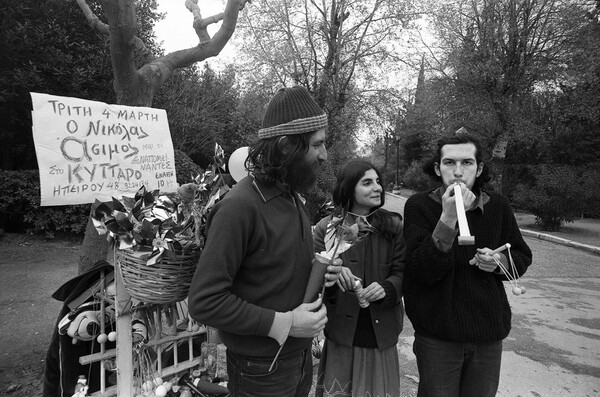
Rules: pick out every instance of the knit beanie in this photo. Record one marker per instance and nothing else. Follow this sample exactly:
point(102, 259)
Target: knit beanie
point(292, 111)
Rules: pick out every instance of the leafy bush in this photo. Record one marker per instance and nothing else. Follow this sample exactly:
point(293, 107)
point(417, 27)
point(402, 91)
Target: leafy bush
point(590, 185)
point(20, 208)
point(185, 168)
point(556, 196)
point(416, 179)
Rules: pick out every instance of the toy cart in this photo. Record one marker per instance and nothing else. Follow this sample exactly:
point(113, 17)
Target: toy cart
point(127, 380)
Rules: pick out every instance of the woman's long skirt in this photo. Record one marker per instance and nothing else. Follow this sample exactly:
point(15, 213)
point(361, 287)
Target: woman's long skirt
point(358, 372)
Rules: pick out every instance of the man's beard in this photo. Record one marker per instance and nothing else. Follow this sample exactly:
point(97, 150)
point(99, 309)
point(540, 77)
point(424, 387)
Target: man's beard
point(301, 175)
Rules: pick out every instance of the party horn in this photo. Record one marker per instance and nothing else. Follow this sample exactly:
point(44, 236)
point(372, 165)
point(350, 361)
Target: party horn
point(464, 237)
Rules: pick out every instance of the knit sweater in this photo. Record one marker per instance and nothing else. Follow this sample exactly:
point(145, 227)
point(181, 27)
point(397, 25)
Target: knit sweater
point(256, 261)
point(446, 297)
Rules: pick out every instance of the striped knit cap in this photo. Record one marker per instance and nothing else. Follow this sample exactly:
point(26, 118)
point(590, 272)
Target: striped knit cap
point(292, 111)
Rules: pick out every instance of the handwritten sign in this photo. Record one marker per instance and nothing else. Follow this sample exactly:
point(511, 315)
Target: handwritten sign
point(89, 150)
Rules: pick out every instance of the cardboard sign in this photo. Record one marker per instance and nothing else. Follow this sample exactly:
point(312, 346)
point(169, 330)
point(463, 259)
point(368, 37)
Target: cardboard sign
point(89, 150)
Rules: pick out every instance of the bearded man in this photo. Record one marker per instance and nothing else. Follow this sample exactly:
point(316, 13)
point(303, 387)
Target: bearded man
point(255, 265)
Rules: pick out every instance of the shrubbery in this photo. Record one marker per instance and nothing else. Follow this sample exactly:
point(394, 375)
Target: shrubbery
point(559, 194)
point(20, 207)
point(20, 202)
point(416, 179)
point(185, 168)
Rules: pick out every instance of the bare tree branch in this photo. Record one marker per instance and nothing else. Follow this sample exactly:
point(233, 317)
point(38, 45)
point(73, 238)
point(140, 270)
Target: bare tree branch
point(135, 86)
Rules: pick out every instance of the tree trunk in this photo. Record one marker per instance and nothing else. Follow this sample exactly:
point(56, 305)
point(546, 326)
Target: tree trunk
point(498, 157)
point(136, 87)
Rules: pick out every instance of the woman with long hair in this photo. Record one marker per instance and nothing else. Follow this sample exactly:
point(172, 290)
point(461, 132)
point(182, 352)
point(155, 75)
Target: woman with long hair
point(359, 354)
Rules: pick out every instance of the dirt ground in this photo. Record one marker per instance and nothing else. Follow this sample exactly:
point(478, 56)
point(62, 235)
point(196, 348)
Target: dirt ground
point(32, 269)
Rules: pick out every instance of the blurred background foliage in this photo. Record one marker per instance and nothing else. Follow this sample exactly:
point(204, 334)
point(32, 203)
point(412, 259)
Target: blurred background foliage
point(392, 75)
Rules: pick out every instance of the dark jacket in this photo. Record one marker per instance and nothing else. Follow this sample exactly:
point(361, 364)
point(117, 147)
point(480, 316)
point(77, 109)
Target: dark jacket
point(62, 367)
point(375, 258)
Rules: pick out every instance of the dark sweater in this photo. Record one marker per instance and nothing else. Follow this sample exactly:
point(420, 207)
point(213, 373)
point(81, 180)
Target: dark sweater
point(445, 297)
point(256, 261)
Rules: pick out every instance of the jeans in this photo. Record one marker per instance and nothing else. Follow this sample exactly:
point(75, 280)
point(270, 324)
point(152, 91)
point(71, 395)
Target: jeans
point(250, 376)
point(456, 369)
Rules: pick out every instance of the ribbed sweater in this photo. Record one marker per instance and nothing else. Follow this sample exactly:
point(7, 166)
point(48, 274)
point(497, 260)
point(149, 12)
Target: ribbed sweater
point(446, 297)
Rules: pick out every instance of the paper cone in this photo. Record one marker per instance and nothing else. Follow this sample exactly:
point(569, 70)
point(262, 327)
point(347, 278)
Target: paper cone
point(315, 281)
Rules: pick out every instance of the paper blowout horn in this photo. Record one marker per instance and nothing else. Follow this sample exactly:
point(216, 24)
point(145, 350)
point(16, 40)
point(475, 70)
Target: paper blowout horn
point(236, 164)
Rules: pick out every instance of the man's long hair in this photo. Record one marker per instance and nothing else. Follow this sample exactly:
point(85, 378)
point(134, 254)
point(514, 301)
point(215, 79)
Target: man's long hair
point(486, 174)
point(270, 159)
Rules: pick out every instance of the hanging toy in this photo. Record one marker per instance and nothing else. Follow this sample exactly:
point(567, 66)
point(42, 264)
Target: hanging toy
point(83, 323)
point(139, 333)
point(81, 387)
point(511, 274)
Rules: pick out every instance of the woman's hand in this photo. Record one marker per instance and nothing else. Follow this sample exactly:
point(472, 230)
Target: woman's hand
point(373, 292)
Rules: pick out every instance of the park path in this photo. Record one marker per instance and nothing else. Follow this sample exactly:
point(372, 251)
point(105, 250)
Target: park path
point(553, 348)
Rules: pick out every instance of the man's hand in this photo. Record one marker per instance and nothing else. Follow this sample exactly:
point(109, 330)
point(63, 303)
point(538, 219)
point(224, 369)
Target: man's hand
point(485, 260)
point(449, 215)
point(307, 323)
point(373, 292)
point(346, 279)
point(333, 272)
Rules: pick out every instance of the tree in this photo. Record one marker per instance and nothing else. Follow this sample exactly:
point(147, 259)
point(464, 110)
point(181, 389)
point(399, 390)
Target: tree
point(497, 53)
point(414, 127)
point(200, 106)
point(337, 49)
point(45, 50)
point(565, 152)
point(136, 85)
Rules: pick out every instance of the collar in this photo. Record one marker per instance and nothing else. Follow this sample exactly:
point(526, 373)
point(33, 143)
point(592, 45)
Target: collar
point(482, 199)
point(269, 191)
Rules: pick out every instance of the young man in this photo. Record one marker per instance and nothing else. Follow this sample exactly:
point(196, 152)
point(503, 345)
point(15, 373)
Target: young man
point(255, 265)
point(459, 311)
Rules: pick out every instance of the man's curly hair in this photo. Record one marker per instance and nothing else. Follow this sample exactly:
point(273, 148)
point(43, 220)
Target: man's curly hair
point(486, 175)
point(270, 159)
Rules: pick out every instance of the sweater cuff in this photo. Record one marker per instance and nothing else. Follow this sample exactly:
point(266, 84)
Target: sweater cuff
point(443, 237)
point(281, 327)
point(390, 294)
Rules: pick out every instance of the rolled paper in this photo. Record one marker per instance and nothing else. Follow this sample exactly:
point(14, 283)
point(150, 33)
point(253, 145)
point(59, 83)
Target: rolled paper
point(464, 237)
point(316, 280)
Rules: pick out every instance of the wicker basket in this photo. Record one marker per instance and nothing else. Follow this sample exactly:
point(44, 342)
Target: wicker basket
point(166, 281)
